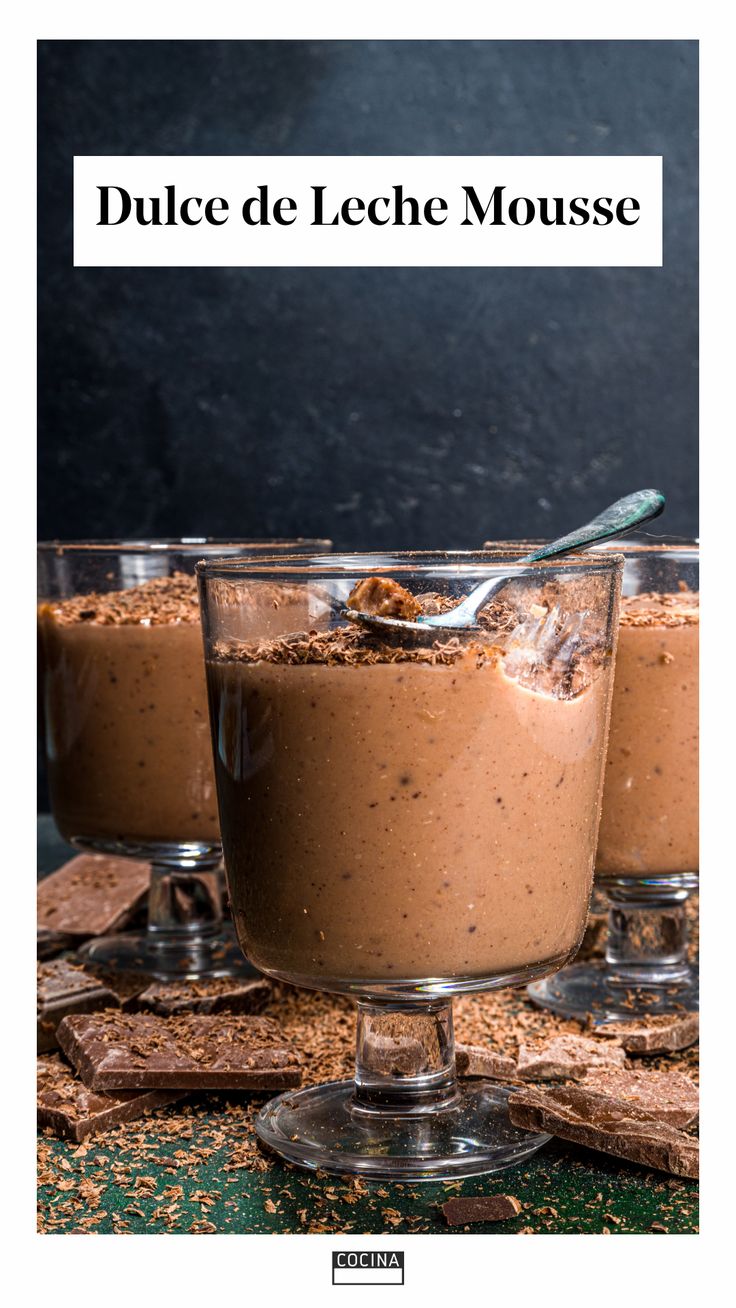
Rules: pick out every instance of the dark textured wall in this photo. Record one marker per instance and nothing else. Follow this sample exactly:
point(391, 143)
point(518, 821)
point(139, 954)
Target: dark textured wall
point(398, 407)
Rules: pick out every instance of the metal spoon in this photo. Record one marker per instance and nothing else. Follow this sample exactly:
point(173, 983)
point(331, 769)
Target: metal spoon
point(617, 520)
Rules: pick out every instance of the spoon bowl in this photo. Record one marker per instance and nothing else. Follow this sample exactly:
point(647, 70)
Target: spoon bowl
point(618, 519)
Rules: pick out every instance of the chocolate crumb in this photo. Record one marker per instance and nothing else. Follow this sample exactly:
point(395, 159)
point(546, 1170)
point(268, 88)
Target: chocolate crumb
point(462, 1210)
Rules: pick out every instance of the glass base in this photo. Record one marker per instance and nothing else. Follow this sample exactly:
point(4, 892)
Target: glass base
point(597, 991)
point(169, 957)
point(323, 1127)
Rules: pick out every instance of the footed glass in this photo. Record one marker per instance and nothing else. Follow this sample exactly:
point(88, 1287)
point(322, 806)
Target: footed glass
point(124, 714)
point(647, 859)
point(405, 822)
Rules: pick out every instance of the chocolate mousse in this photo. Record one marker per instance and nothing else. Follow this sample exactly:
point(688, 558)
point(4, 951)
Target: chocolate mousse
point(649, 824)
point(125, 708)
point(393, 812)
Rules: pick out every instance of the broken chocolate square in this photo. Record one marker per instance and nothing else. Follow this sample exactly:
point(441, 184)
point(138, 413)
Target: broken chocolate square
point(567, 1057)
point(50, 943)
point(91, 895)
point(72, 1112)
point(223, 994)
point(588, 1118)
point(667, 1096)
point(142, 1051)
point(395, 1056)
point(660, 1034)
point(62, 988)
point(128, 986)
point(476, 1060)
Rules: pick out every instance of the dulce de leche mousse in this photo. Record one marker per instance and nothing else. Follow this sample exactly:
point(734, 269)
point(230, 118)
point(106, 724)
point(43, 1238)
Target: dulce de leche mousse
point(125, 712)
point(649, 824)
point(125, 708)
point(393, 813)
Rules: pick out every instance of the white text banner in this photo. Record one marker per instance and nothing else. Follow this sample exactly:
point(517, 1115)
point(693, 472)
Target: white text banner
point(368, 211)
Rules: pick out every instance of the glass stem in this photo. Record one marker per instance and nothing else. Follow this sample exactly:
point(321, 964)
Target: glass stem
point(647, 934)
point(184, 902)
point(405, 1057)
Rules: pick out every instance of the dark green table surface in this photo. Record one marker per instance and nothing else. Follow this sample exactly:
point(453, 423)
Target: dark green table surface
point(195, 1167)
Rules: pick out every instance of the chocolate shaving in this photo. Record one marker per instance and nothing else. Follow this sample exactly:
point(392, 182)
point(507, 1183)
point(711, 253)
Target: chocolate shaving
point(348, 646)
point(160, 601)
point(654, 609)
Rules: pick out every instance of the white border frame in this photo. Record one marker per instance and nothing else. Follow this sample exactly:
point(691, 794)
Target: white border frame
point(551, 1271)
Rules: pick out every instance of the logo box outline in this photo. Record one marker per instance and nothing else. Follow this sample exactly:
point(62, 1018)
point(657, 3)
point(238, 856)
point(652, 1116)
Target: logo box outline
point(369, 1254)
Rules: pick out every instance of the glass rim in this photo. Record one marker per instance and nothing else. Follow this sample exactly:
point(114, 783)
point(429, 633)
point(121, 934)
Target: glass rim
point(642, 542)
point(448, 563)
point(177, 545)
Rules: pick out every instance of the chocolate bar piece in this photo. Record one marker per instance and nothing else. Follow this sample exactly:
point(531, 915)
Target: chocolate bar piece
point(662, 1034)
point(222, 994)
point(667, 1096)
point(72, 1111)
point(567, 1057)
point(61, 988)
point(92, 894)
point(50, 943)
point(480, 1208)
point(142, 1051)
point(128, 986)
point(400, 1044)
point(475, 1060)
point(395, 1056)
point(588, 1118)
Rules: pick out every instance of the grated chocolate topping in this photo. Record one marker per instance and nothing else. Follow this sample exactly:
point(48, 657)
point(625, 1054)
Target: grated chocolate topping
point(655, 609)
point(167, 601)
point(158, 602)
point(348, 646)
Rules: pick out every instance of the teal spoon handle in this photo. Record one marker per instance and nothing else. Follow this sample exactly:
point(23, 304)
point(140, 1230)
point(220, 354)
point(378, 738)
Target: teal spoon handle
point(617, 520)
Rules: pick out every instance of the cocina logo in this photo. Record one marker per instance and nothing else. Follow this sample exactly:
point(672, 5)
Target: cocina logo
point(368, 1267)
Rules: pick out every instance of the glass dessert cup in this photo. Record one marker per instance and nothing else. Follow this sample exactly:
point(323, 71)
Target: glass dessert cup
point(124, 711)
point(406, 822)
point(647, 859)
